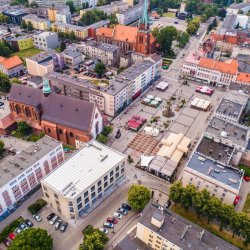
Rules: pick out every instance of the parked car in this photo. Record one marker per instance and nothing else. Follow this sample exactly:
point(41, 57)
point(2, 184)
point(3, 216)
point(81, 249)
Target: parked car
point(118, 134)
point(23, 226)
point(204, 90)
point(104, 230)
point(237, 199)
point(28, 223)
point(50, 216)
point(112, 220)
point(108, 225)
point(37, 217)
point(118, 216)
point(12, 236)
point(126, 206)
point(54, 220)
point(63, 227)
point(6, 242)
point(17, 231)
point(122, 211)
point(58, 224)
point(168, 204)
point(246, 178)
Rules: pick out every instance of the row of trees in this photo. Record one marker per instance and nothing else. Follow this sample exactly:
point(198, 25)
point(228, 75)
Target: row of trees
point(212, 208)
point(67, 36)
point(93, 16)
point(193, 26)
point(27, 26)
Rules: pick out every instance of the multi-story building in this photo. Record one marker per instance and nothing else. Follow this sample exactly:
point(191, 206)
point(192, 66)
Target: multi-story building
point(76, 88)
point(84, 180)
point(130, 15)
point(53, 11)
point(160, 229)
point(23, 172)
point(55, 3)
point(44, 63)
point(63, 16)
point(12, 66)
point(72, 57)
point(235, 8)
point(22, 42)
point(62, 118)
point(46, 40)
point(15, 15)
point(37, 22)
point(128, 85)
point(109, 9)
point(109, 54)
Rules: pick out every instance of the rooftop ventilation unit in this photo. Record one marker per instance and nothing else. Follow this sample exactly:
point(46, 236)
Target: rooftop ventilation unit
point(233, 180)
point(185, 231)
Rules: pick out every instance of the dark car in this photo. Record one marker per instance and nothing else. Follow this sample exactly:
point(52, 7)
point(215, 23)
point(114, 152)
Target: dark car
point(6, 242)
point(50, 216)
point(28, 223)
point(1, 103)
point(112, 220)
point(118, 134)
point(63, 227)
point(168, 204)
point(126, 206)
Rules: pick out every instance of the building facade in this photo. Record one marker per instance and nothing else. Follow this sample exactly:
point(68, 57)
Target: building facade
point(46, 40)
point(22, 43)
point(98, 171)
point(24, 171)
point(72, 57)
point(37, 22)
point(12, 66)
point(15, 15)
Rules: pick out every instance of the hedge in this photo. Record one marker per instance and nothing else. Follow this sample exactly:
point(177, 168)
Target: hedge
point(37, 206)
point(246, 169)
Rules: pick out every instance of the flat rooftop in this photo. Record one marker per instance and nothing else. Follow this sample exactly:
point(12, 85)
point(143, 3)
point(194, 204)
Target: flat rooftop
point(215, 150)
point(240, 88)
point(45, 34)
point(16, 165)
point(212, 169)
point(175, 231)
point(234, 132)
point(103, 46)
point(83, 169)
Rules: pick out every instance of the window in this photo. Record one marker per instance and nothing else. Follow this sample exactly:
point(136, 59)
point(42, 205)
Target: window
point(117, 168)
point(86, 194)
point(60, 131)
point(112, 173)
point(106, 184)
point(111, 179)
point(150, 240)
point(122, 170)
point(105, 178)
point(79, 199)
point(49, 130)
point(71, 209)
point(70, 203)
point(71, 134)
point(93, 195)
point(59, 209)
point(151, 236)
point(92, 188)
point(57, 202)
point(223, 195)
point(99, 183)
point(117, 175)
point(86, 200)
point(79, 206)
point(99, 189)
point(56, 196)
point(215, 190)
point(46, 194)
point(44, 188)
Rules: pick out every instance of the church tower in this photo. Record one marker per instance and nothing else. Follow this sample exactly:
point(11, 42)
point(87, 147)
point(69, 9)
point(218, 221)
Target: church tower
point(46, 87)
point(143, 34)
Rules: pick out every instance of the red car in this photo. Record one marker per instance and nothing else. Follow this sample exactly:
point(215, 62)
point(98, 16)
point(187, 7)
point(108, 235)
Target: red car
point(12, 236)
point(237, 199)
point(112, 220)
point(204, 90)
point(246, 178)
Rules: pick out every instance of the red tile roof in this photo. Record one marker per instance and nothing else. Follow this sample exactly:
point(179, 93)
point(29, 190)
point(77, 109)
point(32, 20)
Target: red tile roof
point(239, 38)
point(227, 67)
point(11, 62)
point(103, 31)
point(243, 77)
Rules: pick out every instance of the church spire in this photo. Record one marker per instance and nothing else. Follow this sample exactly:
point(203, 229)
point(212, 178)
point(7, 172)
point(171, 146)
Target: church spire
point(46, 87)
point(144, 19)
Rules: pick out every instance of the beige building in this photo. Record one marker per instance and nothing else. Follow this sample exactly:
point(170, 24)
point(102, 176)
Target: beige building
point(109, 54)
point(83, 181)
point(160, 229)
point(37, 22)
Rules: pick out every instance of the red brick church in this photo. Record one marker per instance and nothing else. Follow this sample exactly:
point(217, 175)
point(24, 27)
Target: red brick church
point(128, 38)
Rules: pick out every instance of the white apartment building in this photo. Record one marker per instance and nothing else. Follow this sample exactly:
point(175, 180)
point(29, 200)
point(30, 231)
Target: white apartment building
point(84, 180)
point(130, 15)
point(128, 85)
point(46, 40)
point(109, 54)
point(63, 16)
point(24, 171)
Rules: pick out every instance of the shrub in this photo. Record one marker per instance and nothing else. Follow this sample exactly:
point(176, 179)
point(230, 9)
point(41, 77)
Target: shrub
point(246, 169)
point(37, 206)
point(107, 130)
point(102, 138)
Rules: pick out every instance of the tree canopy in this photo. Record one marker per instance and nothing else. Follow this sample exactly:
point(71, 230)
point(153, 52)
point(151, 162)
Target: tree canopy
point(34, 5)
point(138, 197)
point(29, 26)
point(71, 6)
point(182, 39)
point(1, 146)
point(100, 69)
point(62, 46)
point(92, 16)
point(33, 238)
point(5, 50)
point(193, 26)
point(5, 84)
point(3, 19)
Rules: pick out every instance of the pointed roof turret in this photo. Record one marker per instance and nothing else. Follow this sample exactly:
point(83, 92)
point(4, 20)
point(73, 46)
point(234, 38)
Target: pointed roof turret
point(46, 87)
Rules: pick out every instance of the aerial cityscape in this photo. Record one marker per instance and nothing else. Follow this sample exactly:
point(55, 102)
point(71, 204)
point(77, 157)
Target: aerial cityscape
point(124, 124)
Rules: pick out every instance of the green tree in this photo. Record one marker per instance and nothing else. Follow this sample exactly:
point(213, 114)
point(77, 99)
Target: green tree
point(3, 18)
point(200, 201)
point(138, 197)
point(222, 13)
point(4, 82)
point(155, 31)
point(23, 128)
point(182, 39)
point(92, 16)
point(85, 5)
point(211, 208)
point(95, 240)
point(176, 191)
point(62, 46)
point(33, 238)
point(107, 130)
point(236, 223)
point(71, 6)
point(225, 214)
point(113, 19)
point(1, 146)
point(187, 195)
point(5, 50)
point(160, 11)
point(29, 26)
point(101, 2)
point(16, 80)
point(193, 26)
point(72, 36)
point(240, 12)
point(165, 38)
point(100, 69)
point(102, 138)
point(23, 25)
point(34, 5)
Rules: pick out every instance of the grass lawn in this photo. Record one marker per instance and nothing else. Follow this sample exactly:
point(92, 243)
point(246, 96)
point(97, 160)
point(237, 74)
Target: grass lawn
point(169, 14)
point(211, 227)
point(27, 52)
point(246, 208)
